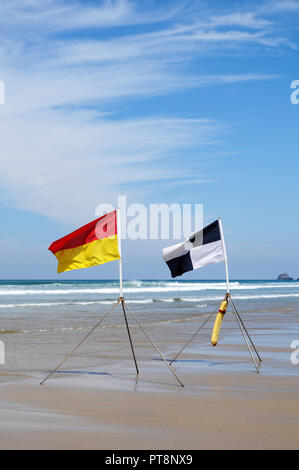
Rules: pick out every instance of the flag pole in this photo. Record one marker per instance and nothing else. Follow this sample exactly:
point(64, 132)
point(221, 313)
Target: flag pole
point(225, 255)
point(121, 296)
point(120, 254)
point(236, 313)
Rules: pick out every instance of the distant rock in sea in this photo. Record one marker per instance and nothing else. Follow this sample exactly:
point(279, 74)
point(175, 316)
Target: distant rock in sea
point(284, 277)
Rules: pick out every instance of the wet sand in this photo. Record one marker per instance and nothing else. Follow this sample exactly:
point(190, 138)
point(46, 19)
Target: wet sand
point(229, 411)
point(224, 404)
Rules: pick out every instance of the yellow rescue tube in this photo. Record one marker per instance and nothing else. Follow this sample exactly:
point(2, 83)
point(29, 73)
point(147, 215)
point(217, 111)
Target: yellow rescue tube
point(218, 322)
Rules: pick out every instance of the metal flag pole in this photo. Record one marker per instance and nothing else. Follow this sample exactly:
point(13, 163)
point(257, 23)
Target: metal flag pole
point(120, 254)
point(154, 346)
point(79, 344)
point(225, 256)
point(228, 296)
point(124, 306)
point(122, 300)
point(121, 297)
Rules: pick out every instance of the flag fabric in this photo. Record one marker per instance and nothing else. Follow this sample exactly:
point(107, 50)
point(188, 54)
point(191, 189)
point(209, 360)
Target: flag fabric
point(205, 247)
point(90, 245)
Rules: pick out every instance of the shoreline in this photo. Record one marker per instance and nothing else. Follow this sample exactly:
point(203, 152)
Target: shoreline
point(95, 402)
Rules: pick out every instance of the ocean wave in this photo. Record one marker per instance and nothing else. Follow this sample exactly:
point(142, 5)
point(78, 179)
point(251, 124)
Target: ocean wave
point(163, 288)
point(35, 304)
point(114, 290)
point(57, 304)
point(265, 296)
point(241, 297)
point(148, 301)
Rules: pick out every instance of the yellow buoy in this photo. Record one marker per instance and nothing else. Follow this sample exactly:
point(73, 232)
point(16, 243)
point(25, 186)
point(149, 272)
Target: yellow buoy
point(218, 322)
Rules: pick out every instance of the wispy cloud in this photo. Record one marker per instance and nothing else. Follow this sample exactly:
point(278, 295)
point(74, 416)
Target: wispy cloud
point(244, 19)
point(51, 16)
point(284, 5)
point(64, 166)
point(64, 146)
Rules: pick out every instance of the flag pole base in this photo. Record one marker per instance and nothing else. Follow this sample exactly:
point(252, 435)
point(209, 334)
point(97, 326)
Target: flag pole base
point(120, 300)
point(247, 338)
point(257, 361)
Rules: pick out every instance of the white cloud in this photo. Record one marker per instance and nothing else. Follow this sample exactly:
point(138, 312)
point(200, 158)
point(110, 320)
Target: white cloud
point(59, 15)
point(64, 147)
point(284, 5)
point(48, 16)
point(62, 167)
point(244, 19)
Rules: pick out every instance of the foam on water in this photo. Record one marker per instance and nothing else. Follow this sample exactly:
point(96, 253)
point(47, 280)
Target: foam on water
point(146, 301)
point(141, 287)
point(16, 295)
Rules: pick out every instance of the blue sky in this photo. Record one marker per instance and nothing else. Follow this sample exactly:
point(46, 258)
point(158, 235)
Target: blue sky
point(173, 101)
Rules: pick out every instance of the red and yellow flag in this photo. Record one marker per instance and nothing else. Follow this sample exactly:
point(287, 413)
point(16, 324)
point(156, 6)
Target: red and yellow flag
point(94, 243)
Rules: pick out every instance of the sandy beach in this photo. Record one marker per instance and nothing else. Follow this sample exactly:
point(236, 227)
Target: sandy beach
point(96, 402)
point(216, 412)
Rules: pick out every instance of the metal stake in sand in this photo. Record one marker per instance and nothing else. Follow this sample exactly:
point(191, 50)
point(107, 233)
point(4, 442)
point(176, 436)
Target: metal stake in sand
point(122, 300)
point(247, 337)
point(79, 344)
point(244, 327)
point(121, 297)
point(193, 336)
point(155, 346)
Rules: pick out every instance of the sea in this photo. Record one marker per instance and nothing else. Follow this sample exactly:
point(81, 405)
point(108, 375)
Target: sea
point(48, 300)
point(16, 294)
point(42, 320)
